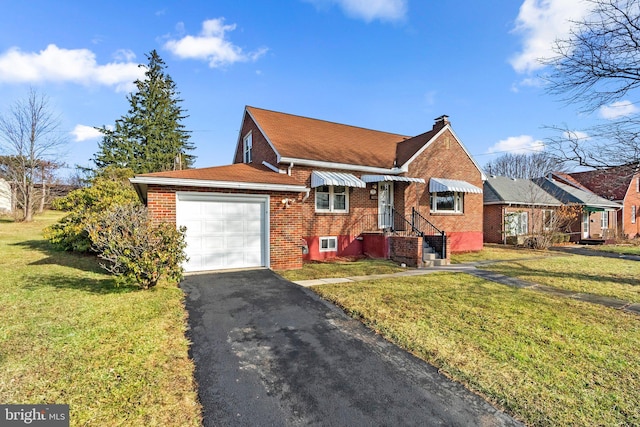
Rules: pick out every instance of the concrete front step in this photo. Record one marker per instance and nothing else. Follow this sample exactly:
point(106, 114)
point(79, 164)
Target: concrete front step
point(435, 263)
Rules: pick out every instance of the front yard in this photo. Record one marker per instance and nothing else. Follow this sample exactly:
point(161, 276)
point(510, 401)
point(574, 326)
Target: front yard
point(117, 356)
point(547, 360)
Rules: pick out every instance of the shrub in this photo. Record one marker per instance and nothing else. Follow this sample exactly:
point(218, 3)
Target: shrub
point(110, 188)
point(134, 248)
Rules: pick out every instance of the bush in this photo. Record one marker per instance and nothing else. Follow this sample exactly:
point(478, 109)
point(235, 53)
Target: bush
point(110, 188)
point(134, 248)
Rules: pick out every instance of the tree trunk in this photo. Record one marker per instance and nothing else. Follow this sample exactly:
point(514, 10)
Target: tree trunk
point(28, 204)
point(43, 198)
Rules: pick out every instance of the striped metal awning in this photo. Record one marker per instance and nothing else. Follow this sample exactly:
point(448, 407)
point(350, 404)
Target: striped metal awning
point(319, 179)
point(439, 185)
point(379, 178)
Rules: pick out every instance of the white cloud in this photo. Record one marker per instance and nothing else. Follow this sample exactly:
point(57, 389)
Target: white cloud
point(55, 64)
point(369, 10)
point(576, 135)
point(212, 46)
point(541, 23)
point(618, 109)
point(85, 133)
point(124, 55)
point(522, 144)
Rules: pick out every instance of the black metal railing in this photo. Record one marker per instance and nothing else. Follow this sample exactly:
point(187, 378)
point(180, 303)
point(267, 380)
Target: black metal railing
point(435, 237)
point(393, 221)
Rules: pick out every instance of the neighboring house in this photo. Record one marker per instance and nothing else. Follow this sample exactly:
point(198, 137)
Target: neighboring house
point(515, 208)
point(598, 217)
point(301, 188)
point(5, 196)
point(620, 184)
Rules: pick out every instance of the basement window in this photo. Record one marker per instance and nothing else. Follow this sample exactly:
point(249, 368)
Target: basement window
point(329, 244)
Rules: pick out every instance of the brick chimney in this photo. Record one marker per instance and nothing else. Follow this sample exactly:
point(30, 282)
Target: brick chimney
point(441, 121)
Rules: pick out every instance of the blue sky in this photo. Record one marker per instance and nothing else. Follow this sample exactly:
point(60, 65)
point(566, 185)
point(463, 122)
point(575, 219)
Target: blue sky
point(391, 65)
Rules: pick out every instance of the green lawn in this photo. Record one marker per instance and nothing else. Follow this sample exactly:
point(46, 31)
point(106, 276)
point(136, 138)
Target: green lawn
point(595, 275)
point(547, 360)
point(329, 269)
point(492, 252)
point(618, 249)
point(117, 356)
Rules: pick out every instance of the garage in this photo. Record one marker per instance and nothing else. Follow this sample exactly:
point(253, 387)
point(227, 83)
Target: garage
point(224, 231)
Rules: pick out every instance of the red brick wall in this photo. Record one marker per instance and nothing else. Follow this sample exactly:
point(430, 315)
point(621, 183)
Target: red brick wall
point(285, 223)
point(406, 249)
point(262, 151)
point(445, 158)
point(493, 224)
point(632, 198)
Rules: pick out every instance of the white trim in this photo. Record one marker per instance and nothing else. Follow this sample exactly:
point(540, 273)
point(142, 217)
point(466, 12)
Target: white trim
point(273, 168)
point(328, 249)
point(216, 184)
point(264, 199)
point(405, 166)
point(341, 166)
point(382, 178)
point(331, 200)
point(264, 134)
point(247, 147)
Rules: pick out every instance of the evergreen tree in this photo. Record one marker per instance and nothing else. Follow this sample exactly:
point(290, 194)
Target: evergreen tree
point(150, 137)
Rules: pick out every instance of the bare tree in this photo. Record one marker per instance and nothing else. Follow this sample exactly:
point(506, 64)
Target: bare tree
point(524, 166)
point(29, 140)
point(596, 65)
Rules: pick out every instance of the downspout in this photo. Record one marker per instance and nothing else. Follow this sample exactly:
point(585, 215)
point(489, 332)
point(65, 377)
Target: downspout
point(306, 196)
point(289, 168)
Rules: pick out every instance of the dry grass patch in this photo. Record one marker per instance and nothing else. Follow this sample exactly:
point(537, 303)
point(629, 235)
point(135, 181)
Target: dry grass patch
point(341, 268)
point(549, 361)
point(493, 252)
point(609, 277)
point(117, 356)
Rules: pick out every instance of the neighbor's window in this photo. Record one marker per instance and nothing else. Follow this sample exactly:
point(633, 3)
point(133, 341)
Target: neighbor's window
point(329, 244)
point(633, 214)
point(247, 147)
point(517, 223)
point(331, 198)
point(548, 219)
point(604, 220)
point(448, 201)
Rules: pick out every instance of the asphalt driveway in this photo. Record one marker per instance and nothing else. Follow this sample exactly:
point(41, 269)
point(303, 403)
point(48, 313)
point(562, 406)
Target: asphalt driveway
point(269, 352)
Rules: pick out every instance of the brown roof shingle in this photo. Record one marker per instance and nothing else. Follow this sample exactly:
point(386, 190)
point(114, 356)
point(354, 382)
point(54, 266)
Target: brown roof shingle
point(312, 139)
point(239, 172)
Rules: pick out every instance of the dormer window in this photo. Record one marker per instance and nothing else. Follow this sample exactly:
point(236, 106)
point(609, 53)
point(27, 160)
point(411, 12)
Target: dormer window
point(247, 147)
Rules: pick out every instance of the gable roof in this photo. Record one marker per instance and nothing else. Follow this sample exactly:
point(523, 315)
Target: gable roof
point(504, 190)
point(569, 194)
point(297, 137)
point(611, 183)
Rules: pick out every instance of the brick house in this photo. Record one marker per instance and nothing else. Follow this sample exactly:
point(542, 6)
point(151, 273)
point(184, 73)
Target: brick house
point(598, 217)
point(523, 207)
point(307, 189)
point(516, 208)
point(620, 184)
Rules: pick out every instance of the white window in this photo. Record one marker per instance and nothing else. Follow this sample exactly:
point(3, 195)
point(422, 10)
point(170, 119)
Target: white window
point(447, 201)
point(604, 220)
point(548, 216)
point(517, 223)
point(633, 214)
point(329, 244)
point(247, 147)
point(331, 198)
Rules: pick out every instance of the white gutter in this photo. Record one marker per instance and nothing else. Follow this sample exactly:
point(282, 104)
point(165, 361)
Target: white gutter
point(340, 166)
point(217, 184)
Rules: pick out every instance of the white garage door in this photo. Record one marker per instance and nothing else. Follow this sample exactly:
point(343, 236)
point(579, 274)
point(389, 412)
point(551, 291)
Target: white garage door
point(224, 231)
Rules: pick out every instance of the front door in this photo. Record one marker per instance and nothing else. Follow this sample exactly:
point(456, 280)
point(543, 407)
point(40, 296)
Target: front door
point(585, 225)
point(385, 204)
